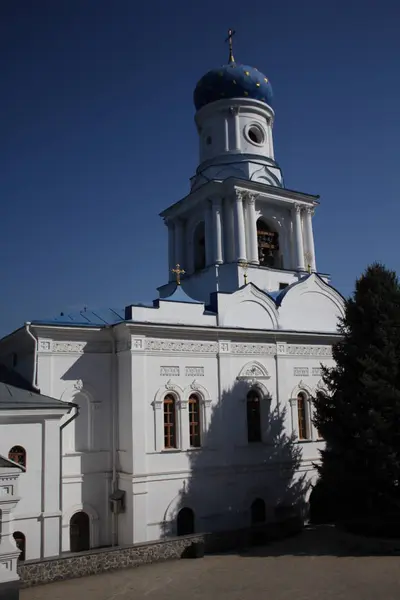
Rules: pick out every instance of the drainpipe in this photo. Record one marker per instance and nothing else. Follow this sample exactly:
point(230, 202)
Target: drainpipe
point(35, 357)
point(114, 442)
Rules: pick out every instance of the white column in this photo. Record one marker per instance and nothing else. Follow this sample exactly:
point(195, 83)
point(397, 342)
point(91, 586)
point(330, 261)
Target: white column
point(208, 233)
point(217, 228)
point(178, 243)
point(252, 229)
point(240, 240)
point(310, 237)
point(171, 249)
point(299, 238)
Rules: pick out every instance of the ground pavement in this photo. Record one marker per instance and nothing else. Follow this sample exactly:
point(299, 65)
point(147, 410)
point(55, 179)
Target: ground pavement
point(310, 566)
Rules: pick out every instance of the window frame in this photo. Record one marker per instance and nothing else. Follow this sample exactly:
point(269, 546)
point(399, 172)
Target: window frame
point(168, 400)
point(199, 404)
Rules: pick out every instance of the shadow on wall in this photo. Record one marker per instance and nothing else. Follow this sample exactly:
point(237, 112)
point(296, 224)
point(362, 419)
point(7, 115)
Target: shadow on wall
point(245, 471)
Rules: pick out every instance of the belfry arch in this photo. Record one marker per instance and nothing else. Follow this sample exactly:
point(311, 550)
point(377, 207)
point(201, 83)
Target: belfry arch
point(268, 245)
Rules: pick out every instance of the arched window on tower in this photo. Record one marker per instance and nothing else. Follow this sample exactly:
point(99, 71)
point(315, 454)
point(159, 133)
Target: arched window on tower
point(199, 247)
point(253, 416)
point(302, 416)
point(169, 421)
point(268, 246)
point(194, 421)
point(18, 455)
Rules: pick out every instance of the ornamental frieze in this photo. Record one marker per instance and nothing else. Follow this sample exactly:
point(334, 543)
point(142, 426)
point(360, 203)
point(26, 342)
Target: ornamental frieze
point(238, 348)
point(309, 350)
point(180, 346)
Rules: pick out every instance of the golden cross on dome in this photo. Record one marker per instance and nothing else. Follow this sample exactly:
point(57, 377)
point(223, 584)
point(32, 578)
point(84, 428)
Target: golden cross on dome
point(178, 272)
point(231, 33)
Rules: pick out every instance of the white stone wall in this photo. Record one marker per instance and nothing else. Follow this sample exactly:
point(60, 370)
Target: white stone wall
point(37, 514)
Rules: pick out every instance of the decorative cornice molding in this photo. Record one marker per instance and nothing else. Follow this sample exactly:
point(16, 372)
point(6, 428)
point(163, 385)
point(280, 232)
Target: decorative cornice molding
point(296, 350)
point(80, 347)
point(260, 349)
point(182, 346)
point(45, 346)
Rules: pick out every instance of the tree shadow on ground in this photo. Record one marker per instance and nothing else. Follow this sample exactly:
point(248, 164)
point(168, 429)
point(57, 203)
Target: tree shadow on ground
point(235, 483)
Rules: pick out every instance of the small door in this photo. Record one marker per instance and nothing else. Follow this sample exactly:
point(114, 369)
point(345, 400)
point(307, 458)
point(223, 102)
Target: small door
point(185, 521)
point(79, 532)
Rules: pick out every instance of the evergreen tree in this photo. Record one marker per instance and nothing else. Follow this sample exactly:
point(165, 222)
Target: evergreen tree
point(360, 419)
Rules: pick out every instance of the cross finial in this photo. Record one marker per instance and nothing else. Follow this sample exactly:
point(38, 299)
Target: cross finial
point(244, 266)
point(231, 33)
point(178, 272)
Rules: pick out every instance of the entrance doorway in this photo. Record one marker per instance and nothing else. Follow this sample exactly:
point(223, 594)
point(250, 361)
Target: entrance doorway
point(79, 532)
point(185, 521)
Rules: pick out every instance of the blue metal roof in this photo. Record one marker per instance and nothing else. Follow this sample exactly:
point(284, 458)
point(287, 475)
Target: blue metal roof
point(86, 318)
point(179, 295)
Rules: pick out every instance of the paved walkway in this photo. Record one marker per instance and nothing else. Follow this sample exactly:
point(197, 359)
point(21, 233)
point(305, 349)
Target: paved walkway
point(309, 567)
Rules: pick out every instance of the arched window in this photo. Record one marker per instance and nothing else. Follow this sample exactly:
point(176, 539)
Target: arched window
point(321, 396)
point(79, 532)
point(302, 416)
point(20, 541)
point(253, 416)
point(258, 513)
point(199, 247)
point(169, 422)
point(194, 421)
point(185, 521)
point(268, 246)
point(18, 455)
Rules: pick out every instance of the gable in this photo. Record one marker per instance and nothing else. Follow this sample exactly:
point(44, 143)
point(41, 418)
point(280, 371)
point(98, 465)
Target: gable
point(311, 305)
point(248, 308)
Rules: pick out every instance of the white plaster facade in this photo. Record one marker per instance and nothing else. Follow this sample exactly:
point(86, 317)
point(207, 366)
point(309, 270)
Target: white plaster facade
point(214, 336)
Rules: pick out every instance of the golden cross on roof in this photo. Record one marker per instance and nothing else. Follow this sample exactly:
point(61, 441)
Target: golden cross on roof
point(178, 272)
point(231, 33)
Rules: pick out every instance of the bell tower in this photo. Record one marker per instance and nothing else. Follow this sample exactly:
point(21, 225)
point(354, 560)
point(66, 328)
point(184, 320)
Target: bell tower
point(239, 223)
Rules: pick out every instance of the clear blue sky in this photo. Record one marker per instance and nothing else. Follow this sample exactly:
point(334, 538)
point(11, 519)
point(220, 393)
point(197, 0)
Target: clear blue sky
point(97, 135)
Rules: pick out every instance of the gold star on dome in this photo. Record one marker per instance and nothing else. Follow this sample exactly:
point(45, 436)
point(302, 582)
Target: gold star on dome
point(247, 72)
point(265, 79)
point(258, 84)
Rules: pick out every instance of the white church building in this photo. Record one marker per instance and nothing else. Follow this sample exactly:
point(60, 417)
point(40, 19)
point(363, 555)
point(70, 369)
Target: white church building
point(133, 424)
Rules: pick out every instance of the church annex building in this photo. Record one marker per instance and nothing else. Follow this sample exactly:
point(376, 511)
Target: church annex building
point(129, 425)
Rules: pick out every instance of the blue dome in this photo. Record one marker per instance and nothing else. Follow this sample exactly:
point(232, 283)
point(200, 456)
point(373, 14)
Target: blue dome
point(232, 81)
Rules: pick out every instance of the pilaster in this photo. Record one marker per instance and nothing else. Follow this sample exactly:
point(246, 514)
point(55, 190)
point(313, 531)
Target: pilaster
point(209, 234)
point(299, 238)
point(309, 212)
point(217, 227)
point(239, 227)
point(252, 228)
